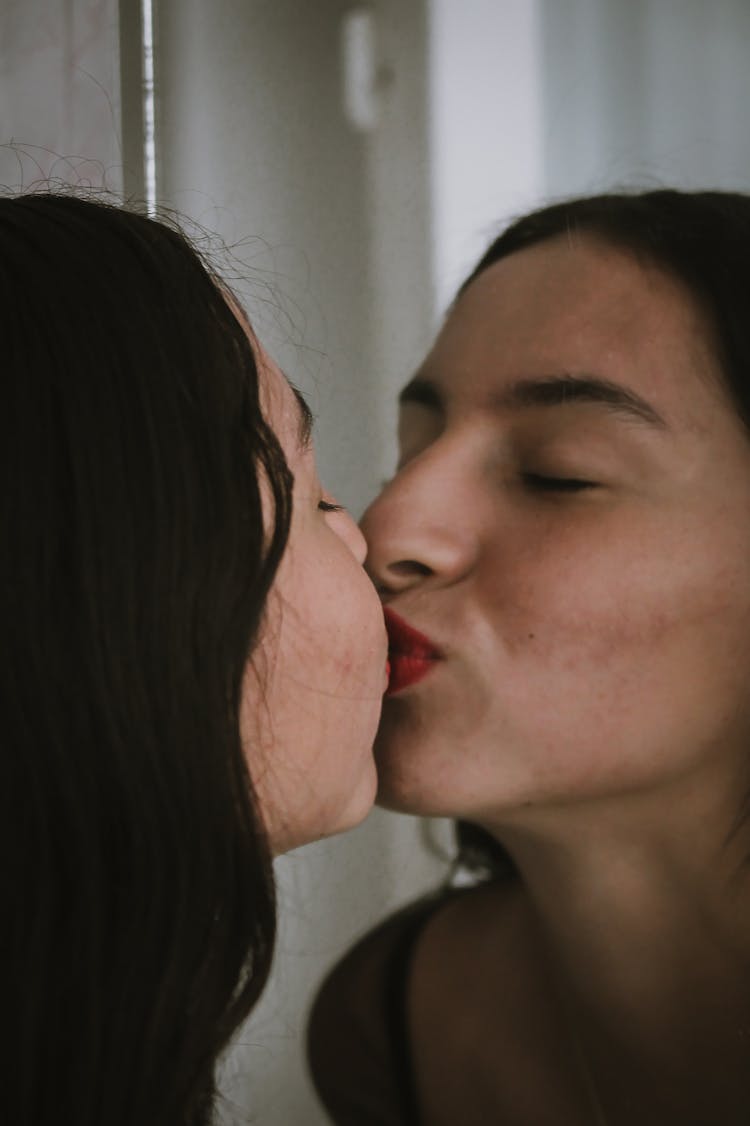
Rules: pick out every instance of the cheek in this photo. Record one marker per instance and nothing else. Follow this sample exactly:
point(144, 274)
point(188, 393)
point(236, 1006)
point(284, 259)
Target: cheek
point(326, 691)
point(652, 645)
point(618, 586)
point(584, 664)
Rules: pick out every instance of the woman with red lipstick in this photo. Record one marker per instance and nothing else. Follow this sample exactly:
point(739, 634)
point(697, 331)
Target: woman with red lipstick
point(411, 655)
point(566, 549)
point(193, 662)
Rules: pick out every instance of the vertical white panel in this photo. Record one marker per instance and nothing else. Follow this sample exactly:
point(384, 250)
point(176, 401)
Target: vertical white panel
point(256, 146)
point(398, 207)
point(486, 126)
point(148, 98)
point(358, 60)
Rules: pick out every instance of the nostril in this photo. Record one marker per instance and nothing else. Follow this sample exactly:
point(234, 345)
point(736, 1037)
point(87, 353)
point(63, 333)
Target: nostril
point(407, 568)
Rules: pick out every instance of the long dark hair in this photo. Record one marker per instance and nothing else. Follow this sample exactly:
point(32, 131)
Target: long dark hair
point(137, 892)
point(702, 239)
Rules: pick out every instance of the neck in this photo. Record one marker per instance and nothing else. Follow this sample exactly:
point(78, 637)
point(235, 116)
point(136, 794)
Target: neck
point(643, 908)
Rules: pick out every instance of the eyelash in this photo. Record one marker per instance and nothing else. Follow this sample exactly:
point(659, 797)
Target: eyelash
point(539, 483)
point(327, 506)
point(536, 482)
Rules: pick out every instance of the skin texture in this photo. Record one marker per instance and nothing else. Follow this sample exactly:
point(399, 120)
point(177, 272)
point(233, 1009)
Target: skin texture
point(584, 568)
point(314, 685)
point(596, 641)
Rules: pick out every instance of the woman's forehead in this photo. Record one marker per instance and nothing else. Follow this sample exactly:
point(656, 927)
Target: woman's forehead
point(559, 308)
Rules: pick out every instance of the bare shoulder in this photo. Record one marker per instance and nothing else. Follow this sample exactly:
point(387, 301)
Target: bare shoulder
point(366, 990)
point(358, 985)
point(368, 1019)
point(484, 1026)
point(490, 916)
point(358, 1048)
point(485, 929)
point(474, 966)
point(443, 1014)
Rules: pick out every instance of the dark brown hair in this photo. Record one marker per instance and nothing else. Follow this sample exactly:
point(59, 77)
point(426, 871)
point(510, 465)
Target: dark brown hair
point(137, 891)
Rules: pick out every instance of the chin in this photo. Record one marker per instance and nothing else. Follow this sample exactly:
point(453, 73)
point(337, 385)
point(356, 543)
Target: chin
point(404, 793)
point(337, 813)
point(407, 776)
point(354, 806)
point(362, 799)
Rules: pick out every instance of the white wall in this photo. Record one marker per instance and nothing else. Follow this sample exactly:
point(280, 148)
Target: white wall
point(59, 92)
point(536, 99)
point(645, 92)
point(485, 128)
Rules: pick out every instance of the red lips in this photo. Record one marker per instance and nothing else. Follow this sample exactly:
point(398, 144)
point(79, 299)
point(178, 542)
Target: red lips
point(412, 655)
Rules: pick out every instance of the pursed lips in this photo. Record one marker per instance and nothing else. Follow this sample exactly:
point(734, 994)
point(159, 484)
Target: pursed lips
point(411, 654)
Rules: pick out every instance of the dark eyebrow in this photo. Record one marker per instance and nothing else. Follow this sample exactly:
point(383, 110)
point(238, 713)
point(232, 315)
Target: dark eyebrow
point(306, 419)
point(549, 391)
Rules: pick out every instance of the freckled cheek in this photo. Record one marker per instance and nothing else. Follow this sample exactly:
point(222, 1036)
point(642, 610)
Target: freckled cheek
point(611, 611)
point(351, 653)
point(362, 642)
point(360, 665)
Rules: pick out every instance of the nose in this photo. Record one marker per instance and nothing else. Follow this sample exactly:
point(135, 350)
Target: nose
point(423, 527)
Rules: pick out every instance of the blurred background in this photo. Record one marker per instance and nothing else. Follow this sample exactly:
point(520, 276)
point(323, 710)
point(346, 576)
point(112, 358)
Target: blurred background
point(346, 164)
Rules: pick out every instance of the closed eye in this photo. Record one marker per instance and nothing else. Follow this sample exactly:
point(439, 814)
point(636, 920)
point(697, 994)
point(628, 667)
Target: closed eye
point(328, 506)
point(538, 482)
